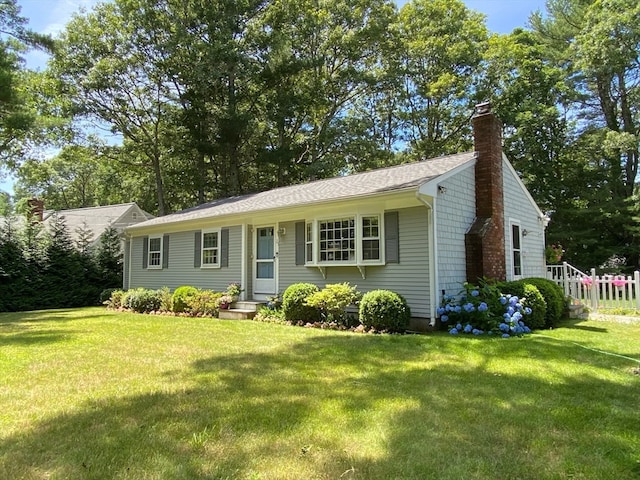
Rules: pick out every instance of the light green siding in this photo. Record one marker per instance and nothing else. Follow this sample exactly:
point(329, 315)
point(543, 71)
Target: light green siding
point(410, 277)
point(180, 270)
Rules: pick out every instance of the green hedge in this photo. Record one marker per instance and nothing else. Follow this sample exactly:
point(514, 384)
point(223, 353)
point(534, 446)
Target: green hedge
point(531, 297)
point(554, 297)
point(294, 303)
point(384, 310)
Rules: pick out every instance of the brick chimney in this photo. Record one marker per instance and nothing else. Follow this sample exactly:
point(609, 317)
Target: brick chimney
point(36, 209)
point(484, 242)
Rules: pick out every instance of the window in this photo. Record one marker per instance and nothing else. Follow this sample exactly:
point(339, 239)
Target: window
point(352, 240)
point(371, 238)
point(155, 252)
point(337, 240)
point(516, 250)
point(211, 248)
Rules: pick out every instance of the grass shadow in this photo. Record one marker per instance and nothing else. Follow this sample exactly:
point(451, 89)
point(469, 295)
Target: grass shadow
point(345, 406)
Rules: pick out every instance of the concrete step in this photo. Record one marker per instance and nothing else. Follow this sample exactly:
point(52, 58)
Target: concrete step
point(248, 305)
point(236, 314)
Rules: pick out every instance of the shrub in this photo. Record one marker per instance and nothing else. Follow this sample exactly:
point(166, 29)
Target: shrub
point(384, 310)
point(105, 295)
point(115, 299)
point(553, 296)
point(181, 298)
point(485, 309)
point(333, 300)
point(165, 299)
point(142, 300)
point(204, 303)
point(532, 298)
point(294, 303)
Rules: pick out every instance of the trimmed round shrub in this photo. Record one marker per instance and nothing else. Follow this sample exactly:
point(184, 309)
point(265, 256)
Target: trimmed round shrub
point(554, 297)
point(532, 298)
point(181, 298)
point(384, 310)
point(294, 303)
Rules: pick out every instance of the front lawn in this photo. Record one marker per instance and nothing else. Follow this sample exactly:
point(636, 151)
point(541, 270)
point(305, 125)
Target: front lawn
point(91, 394)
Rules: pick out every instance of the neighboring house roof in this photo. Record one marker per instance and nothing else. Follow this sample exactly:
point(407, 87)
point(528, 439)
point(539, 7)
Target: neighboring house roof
point(396, 178)
point(98, 219)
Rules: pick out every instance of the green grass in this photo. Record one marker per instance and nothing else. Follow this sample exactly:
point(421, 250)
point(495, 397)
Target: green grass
point(89, 394)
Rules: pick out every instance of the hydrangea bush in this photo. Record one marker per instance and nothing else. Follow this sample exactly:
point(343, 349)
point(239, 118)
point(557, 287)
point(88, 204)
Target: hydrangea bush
point(484, 309)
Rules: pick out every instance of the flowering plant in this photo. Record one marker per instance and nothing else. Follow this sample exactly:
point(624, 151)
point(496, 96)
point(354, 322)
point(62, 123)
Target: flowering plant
point(234, 289)
point(553, 253)
point(619, 282)
point(224, 301)
point(484, 309)
point(586, 281)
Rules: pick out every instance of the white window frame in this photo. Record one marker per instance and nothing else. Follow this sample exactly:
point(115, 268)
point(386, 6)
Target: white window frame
point(514, 250)
point(217, 248)
point(313, 227)
point(150, 253)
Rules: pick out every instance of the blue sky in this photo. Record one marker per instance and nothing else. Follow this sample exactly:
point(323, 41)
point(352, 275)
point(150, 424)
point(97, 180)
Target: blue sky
point(50, 16)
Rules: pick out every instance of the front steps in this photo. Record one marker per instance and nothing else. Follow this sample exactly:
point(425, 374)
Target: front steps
point(241, 310)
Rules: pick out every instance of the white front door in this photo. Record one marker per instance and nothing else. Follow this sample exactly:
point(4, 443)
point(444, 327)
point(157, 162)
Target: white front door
point(264, 282)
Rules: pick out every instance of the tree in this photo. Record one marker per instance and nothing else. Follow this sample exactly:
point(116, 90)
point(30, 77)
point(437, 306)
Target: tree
point(597, 43)
point(104, 67)
point(109, 259)
point(439, 60)
point(16, 119)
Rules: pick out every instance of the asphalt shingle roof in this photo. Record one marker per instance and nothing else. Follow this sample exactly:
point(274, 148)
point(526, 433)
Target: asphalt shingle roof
point(401, 177)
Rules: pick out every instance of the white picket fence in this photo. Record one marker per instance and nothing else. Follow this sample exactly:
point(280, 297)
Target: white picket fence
point(597, 292)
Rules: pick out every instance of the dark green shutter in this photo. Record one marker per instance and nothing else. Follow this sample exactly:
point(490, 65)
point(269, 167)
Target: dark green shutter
point(300, 243)
point(224, 247)
point(197, 249)
point(165, 251)
point(391, 237)
point(145, 251)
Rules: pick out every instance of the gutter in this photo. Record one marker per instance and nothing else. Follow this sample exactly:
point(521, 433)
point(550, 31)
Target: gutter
point(430, 202)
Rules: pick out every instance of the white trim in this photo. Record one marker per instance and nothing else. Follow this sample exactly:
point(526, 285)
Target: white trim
point(264, 295)
point(218, 248)
point(514, 222)
point(434, 281)
point(358, 240)
point(149, 252)
point(243, 260)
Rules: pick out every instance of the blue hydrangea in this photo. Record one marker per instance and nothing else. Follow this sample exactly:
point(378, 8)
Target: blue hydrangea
point(477, 331)
point(517, 316)
point(513, 300)
point(483, 307)
point(511, 311)
point(527, 311)
point(475, 293)
point(506, 335)
point(503, 327)
point(468, 307)
point(457, 309)
point(506, 316)
point(503, 300)
point(453, 331)
point(444, 318)
point(459, 327)
point(441, 310)
point(468, 328)
point(526, 329)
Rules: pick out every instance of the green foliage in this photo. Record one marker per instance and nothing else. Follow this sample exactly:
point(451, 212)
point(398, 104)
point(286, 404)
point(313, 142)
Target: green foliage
point(204, 303)
point(142, 300)
point(180, 302)
point(531, 297)
point(294, 303)
point(554, 299)
point(333, 300)
point(166, 299)
point(115, 299)
point(384, 310)
point(106, 294)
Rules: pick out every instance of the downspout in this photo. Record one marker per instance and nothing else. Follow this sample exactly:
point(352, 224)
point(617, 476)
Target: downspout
point(129, 240)
point(430, 203)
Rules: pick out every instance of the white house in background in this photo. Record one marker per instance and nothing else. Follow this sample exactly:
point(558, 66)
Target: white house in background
point(420, 229)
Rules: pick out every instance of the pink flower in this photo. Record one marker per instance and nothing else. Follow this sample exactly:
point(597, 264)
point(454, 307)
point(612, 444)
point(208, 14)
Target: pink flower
point(619, 282)
point(587, 281)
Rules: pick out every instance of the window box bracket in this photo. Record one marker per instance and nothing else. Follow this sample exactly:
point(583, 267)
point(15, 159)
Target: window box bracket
point(363, 271)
